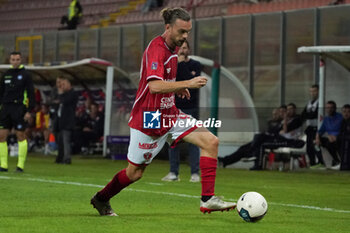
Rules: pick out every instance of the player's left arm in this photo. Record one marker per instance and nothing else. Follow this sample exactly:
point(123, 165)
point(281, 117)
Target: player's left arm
point(2, 89)
point(160, 86)
point(30, 92)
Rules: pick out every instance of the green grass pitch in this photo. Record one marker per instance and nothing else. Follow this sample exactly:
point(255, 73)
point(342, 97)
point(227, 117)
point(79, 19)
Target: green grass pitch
point(50, 197)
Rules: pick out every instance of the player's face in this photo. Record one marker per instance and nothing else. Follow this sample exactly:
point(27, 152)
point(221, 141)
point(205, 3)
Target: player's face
point(179, 31)
point(346, 113)
point(15, 60)
point(184, 50)
point(314, 93)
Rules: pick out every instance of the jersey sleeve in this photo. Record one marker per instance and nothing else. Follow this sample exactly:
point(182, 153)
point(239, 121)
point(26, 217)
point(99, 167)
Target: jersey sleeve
point(30, 92)
point(1, 88)
point(155, 63)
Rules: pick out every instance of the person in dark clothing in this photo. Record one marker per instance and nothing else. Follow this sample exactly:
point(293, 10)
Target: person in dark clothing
point(244, 151)
point(75, 12)
point(310, 115)
point(92, 127)
point(287, 136)
point(344, 139)
point(65, 120)
point(326, 136)
point(186, 69)
point(16, 102)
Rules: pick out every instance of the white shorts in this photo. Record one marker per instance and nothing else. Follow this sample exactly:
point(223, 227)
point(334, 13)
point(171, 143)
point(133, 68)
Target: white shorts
point(143, 148)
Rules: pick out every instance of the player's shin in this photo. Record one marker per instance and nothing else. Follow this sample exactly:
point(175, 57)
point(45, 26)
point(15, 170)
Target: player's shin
point(208, 173)
point(22, 153)
point(3, 155)
point(118, 183)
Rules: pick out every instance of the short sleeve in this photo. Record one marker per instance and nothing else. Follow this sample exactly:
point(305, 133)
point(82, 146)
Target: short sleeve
point(155, 63)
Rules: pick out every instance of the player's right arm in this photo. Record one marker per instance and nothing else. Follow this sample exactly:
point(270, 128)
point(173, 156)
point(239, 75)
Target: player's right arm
point(161, 87)
point(2, 89)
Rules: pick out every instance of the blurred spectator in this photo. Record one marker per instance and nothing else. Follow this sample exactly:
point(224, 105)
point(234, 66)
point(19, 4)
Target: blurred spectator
point(344, 139)
point(65, 120)
point(336, 2)
point(75, 13)
point(310, 116)
point(12, 144)
point(151, 4)
point(92, 127)
point(287, 137)
point(328, 132)
point(42, 126)
point(245, 151)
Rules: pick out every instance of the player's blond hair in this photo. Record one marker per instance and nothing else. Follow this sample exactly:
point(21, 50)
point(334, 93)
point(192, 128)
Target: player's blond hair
point(171, 14)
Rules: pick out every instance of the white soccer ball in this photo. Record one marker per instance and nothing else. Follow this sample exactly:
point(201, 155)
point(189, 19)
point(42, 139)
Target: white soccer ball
point(251, 206)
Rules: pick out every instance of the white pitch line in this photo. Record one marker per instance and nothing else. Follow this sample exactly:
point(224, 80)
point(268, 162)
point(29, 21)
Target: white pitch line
point(165, 193)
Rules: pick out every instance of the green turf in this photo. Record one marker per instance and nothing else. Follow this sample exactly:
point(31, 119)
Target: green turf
point(35, 202)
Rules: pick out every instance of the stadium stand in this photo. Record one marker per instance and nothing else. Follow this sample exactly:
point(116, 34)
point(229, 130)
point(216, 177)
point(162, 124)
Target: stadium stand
point(17, 16)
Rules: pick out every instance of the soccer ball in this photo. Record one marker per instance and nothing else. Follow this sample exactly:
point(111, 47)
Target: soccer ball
point(251, 206)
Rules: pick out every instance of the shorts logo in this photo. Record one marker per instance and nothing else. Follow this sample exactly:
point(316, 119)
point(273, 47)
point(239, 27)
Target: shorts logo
point(19, 126)
point(147, 156)
point(19, 77)
point(148, 146)
point(151, 119)
point(168, 70)
point(154, 65)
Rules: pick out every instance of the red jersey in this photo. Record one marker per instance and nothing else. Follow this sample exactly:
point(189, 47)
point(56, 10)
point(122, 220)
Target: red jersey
point(158, 62)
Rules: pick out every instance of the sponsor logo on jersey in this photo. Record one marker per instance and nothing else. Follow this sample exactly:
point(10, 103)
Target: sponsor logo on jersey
point(148, 146)
point(154, 65)
point(167, 102)
point(151, 119)
point(147, 156)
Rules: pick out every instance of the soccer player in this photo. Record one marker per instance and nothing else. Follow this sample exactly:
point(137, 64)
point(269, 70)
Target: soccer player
point(16, 103)
point(154, 103)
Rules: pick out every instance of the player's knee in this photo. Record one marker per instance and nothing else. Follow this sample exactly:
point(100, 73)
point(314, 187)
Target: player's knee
point(213, 142)
point(3, 136)
point(20, 135)
point(210, 145)
point(134, 174)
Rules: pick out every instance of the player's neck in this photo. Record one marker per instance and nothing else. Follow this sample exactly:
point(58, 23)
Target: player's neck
point(168, 42)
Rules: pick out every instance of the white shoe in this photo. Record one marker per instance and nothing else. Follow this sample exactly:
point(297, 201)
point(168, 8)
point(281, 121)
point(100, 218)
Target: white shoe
point(171, 177)
point(47, 149)
point(336, 167)
point(216, 204)
point(195, 178)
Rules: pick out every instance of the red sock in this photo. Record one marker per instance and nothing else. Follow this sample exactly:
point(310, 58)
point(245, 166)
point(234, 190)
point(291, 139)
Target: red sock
point(208, 174)
point(119, 182)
